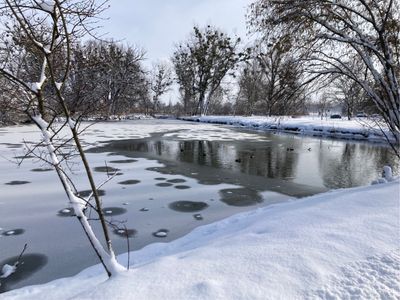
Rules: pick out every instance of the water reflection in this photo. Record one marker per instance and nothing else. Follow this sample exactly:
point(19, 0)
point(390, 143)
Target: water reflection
point(348, 165)
point(303, 160)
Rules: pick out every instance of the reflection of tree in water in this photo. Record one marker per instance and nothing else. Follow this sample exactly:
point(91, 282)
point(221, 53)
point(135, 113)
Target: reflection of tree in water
point(280, 163)
point(267, 161)
point(199, 152)
point(341, 164)
point(348, 165)
point(272, 162)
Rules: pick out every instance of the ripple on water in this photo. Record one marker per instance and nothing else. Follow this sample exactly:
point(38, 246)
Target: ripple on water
point(187, 206)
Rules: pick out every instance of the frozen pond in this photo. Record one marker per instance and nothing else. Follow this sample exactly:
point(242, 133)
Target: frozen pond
point(172, 177)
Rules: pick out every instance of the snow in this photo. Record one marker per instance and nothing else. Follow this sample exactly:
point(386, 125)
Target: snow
point(71, 123)
point(357, 129)
point(58, 85)
point(337, 245)
point(33, 86)
point(387, 173)
point(7, 270)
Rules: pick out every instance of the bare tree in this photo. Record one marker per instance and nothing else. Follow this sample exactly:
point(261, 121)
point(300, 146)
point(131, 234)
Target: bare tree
point(350, 94)
point(337, 31)
point(273, 82)
point(282, 75)
point(47, 30)
point(251, 88)
point(160, 83)
point(202, 62)
point(117, 78)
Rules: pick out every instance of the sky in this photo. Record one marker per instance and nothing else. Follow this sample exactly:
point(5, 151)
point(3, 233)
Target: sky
point(158, 25)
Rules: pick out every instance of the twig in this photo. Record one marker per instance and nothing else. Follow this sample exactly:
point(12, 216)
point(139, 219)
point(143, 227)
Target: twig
point(20, 255)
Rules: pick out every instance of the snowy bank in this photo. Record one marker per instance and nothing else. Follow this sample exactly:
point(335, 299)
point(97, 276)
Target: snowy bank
point(337, 245)
point(357, 129)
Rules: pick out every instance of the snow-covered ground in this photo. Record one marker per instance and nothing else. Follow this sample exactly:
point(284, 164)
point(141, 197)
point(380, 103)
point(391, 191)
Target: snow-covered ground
point(338, 245)
point(357, 129)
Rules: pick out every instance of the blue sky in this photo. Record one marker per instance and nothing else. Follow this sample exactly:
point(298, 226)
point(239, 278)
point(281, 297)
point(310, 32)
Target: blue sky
point(157, 25)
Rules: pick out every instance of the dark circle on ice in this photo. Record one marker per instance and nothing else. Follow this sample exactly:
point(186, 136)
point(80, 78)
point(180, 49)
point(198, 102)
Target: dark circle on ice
point(14, 146)
point(160, 178)
point(177, 180)
point(17, 182)
point(86, 193)
point(106, 169)
point(161, 233)
point(114, 211)
point(182, 187)
point(198, 217)
point(12, 232)
point(129, 182)
point(29, 264)
point(41, 170)
point(187, 206)
point(112, 153)
point(123, 161)
point(66, 212)
point(122, 232)
point(240, 197)
point(164, 184)
point(24, 156)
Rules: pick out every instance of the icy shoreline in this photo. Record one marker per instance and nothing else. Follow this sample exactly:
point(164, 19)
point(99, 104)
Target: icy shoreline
point(339, 244)
point(356, 129)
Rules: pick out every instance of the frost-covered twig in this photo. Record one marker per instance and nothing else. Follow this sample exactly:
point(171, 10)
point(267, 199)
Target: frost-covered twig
point(7, 269)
